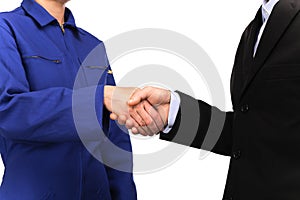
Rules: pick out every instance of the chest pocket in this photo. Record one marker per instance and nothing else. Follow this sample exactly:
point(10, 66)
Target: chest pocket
point(46, 71)
point(91, 76)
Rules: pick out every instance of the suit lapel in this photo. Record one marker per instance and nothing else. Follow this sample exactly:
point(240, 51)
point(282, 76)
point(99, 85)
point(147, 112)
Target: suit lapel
point(250, 42)
point(244, 59)
point(282, 15)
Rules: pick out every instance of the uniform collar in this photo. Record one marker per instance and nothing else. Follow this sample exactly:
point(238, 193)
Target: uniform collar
point(40, 14)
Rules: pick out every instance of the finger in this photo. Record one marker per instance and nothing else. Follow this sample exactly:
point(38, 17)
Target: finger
point(130, 123)
point(144, 131)
point(139, 130)
point(151, 127)
point(113, 116)
point(140, 95)
point(134, 115)
point(134, 131)
point(122, 119)
point(155, 115)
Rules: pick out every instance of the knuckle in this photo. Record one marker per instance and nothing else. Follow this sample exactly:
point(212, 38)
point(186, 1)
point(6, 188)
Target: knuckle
point(140, 106)
point(128, 127)
point(149, 121)
point(121, 122)
point(130, 109)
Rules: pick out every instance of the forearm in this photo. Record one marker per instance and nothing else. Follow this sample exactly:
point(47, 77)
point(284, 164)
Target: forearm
point(48, 115)
point(107, 96)
point(40, 115)
point(212, 131)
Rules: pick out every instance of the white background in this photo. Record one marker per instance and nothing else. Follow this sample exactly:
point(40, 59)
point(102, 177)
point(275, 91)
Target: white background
point(216, 26)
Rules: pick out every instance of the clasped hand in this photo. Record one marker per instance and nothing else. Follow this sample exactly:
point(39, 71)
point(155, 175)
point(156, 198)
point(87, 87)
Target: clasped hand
point(144, 111)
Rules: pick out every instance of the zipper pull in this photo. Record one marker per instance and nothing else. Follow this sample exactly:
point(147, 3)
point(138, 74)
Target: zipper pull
point(62, 27)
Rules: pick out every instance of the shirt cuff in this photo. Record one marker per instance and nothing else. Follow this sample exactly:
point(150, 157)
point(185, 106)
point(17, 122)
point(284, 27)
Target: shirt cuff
point(173, 111)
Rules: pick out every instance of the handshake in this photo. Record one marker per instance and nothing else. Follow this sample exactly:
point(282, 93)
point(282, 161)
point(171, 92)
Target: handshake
point(143, 111)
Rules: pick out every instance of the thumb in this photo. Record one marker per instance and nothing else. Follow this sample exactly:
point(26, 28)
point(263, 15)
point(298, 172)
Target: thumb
point(138, 97)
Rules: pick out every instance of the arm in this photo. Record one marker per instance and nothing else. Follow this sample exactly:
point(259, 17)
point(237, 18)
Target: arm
point(117, 151)
point(213, 127)
point(36, 116)
point(197, 124)
point(116, 101)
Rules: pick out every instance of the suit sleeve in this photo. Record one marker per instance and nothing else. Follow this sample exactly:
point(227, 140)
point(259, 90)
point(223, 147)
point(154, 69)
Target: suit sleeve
point(202, 126)
point(37, 116)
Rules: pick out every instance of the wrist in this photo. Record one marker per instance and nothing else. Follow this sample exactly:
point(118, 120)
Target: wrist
point(166, 120)
point(107, 94)
point(169, 96)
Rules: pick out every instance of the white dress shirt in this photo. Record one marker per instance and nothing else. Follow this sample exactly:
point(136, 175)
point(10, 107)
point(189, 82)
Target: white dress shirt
point(266, 10)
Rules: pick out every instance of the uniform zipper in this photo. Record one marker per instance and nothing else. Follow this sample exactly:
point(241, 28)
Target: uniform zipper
point(57, 61)
point(62, 27)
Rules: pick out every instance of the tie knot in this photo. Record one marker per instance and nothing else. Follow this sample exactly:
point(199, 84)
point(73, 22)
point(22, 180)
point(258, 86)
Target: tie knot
point(267, 8)
point(265, 14)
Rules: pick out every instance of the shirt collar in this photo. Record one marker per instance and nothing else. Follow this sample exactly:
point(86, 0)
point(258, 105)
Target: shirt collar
point(267, 8)
point(69, 18)
point(41, 15)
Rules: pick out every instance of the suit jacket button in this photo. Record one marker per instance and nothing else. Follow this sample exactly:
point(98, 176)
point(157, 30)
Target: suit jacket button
point(245, 108)
point(236, 155)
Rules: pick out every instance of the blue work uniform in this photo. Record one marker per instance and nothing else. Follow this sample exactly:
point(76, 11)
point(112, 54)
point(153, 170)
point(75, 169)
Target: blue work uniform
point(43, 155)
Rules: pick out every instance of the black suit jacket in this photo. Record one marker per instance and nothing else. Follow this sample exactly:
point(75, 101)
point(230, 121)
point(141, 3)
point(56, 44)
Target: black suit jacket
point(262, 134)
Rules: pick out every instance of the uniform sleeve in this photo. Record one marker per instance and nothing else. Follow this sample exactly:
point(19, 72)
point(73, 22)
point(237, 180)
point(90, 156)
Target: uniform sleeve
point(120, 163)
point(37, 116)
point(117, 154)
point(202, 126)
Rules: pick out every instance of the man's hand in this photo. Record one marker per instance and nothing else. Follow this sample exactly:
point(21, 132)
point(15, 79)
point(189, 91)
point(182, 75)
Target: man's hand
point(146, 112)
point(115, 101)
point(155, 118)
